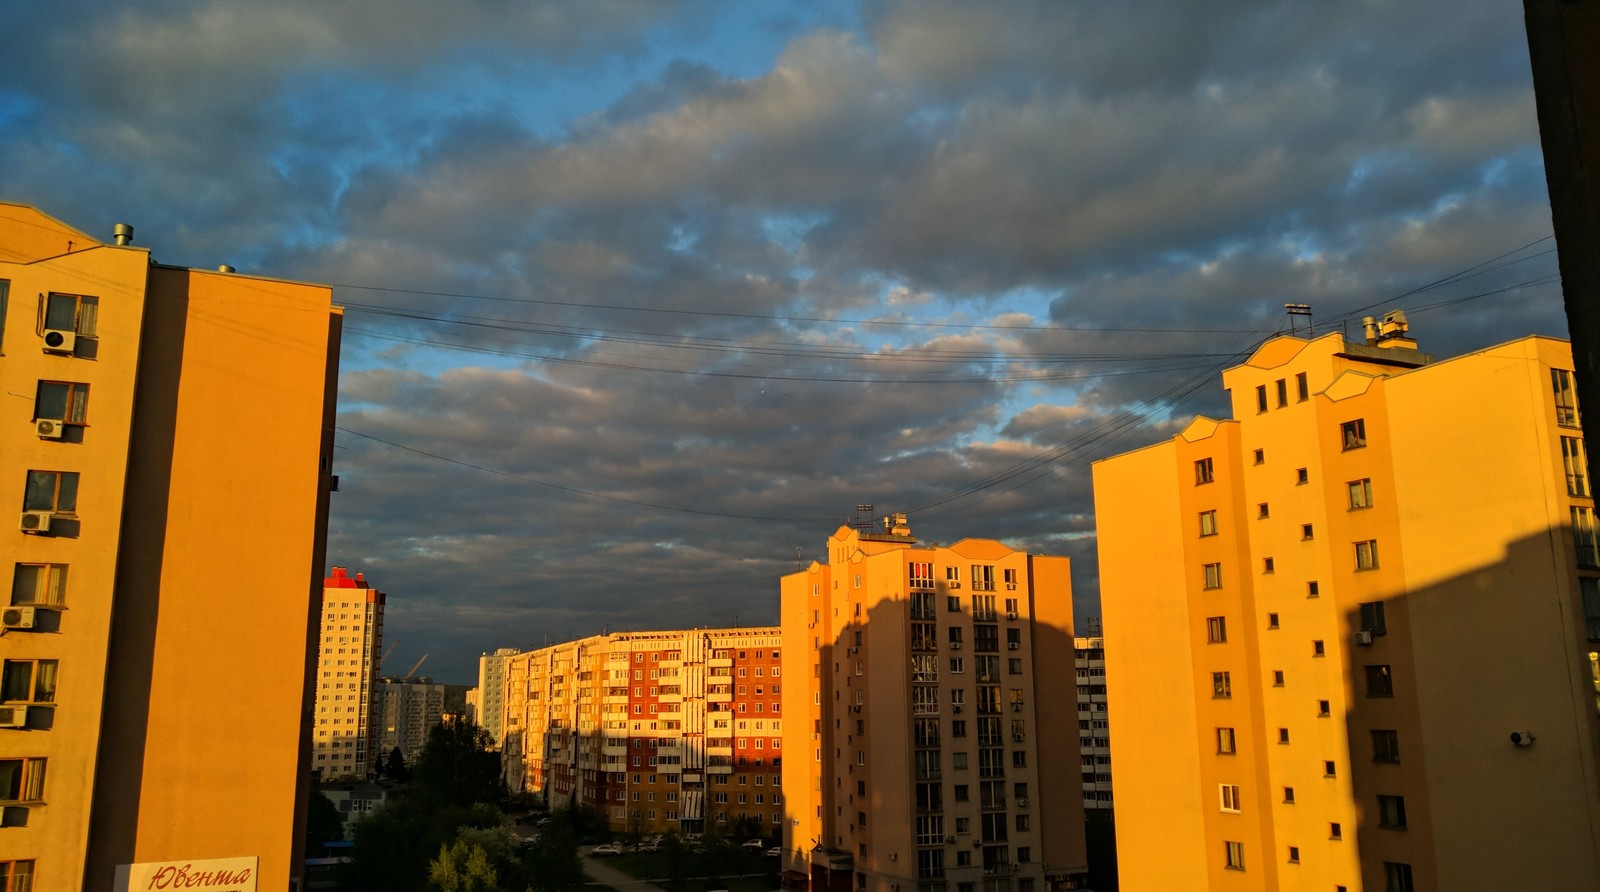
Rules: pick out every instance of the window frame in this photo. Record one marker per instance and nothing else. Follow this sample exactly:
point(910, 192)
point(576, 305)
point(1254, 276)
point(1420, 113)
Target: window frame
point(1359, 493)
point(1208, 523)
point(32, 772)
point(1229, 796)
point(41, 682)
point(1222, 685)
point(1204, 472)
point(1366, 555)
point(31, 503)
point(1353, 434)
point(45, 584)
point(1211, 575)
point(1233, 855)
point(1216, 630)
point(1227, 742)
point(79, 301)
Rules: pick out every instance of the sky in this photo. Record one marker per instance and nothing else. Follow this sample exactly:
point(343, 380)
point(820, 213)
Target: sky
point(644, 297)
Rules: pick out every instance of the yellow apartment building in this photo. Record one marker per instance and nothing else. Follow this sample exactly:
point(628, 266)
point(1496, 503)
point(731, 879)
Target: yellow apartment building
point(923, 754)
point(673, 730)
point(1094, 730)
point(344, 737)
point(1346, 634)
point(162, 566)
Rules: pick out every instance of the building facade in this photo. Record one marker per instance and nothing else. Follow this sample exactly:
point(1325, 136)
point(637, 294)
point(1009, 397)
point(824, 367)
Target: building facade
point(1345, 637)
point(487, 704)
point(162, 579)
point(343, 741)
point(674, 730)
point(407, 708)
point(1094, 728)
point(920, 752)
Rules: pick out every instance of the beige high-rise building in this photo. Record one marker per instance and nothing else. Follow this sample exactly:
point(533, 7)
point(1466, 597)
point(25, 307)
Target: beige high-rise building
point(489, 702)
point(1346, 636)
point(166, 441)
point(343, 740)
point(1094, 728)
point(671, 730)
point(931, 728)
point(407, 709)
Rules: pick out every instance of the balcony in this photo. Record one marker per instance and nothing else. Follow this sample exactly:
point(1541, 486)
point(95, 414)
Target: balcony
point(717, 662)
point(719, 696)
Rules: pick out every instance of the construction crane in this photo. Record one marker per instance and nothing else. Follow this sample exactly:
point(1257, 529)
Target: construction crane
point(413, 670)
point(385, 658)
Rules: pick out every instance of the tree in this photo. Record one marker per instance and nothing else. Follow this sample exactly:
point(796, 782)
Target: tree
point(323, 823)
point(395, 767)
point(462, 867)
point(456, 767)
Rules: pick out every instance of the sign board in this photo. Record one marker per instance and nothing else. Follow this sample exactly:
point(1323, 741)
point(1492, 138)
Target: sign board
point(212, 875)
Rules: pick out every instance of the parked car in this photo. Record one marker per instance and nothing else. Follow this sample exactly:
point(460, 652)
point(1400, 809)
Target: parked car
point(607, 849)
point(774, 852)
point(755, 844)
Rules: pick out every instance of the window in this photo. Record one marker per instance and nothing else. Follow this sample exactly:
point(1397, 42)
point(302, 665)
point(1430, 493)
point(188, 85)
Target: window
point(15, 876)
point(51, 491)
point(1260, 456)
point(1283, 393)
point(961, 792)
point(28, 681)
point(1313, 589)
point(1283, 735)
point(1221, 685)
point(1272, 621)
point(1216, 629)
point(1208, 523)
point(1235, 855)
point(1213, 575)
point(21, 780)
point(1261, 397)
point(1294, 854)
point(1301, 476)
point(1584, 537)
point(1372, 619)
point(1386, 746)
point(1225, 742)
point(982, 578)
point(1367, 554)
point(1590, 588)
point(1277, 678)
point(43, 584)
point(1397, 877)
point(70, 312)
point(1566, 401)
point(1392, 812)
point(1318, 649)
point(1302, 387)
point(1263, 511)
point(1360, 493)
point(1230, 798)
point(1353, 434)
point(1202, 472)
point(1023, 824)
point(1380, 682)
point(5, 291)
point(1335, 830)
point(61, 401)
point(1268, 566)
point(1328, 769)
point(1288, 795)
point(1306, 532)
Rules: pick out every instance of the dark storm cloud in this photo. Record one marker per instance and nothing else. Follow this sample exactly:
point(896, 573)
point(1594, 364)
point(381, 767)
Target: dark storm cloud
point(1024, 168)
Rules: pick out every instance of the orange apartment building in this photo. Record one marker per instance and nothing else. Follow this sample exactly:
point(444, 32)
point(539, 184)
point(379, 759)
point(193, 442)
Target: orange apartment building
point(923, 753)
point(673, 730)
point(1350, 631)
point(167, 441)
point(344, 738)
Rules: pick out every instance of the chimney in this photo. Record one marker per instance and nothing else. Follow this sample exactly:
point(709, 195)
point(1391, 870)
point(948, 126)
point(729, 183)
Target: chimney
point(123, 233)
point(1370, 326)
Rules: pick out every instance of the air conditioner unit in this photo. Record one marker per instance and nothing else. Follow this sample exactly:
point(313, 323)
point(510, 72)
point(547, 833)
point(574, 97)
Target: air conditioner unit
point(1363, 637)
point(1019, 737)
point(955, 645)
point(1011, 614)
point(1011, 586)
point(1013, 645)
point(13, 716)
point(17, 618)
point(1022, 803)
point(60, 341)
point(35, 521)
point(49, 428)
point(955, 585)
point(956, 710)
point(949, 840)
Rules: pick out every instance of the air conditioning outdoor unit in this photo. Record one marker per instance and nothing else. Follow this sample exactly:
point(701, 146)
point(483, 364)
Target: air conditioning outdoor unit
point(1011, 614)
point(1013, 645)
point(60, 341)
point(35, 522)
point(1022, 803)
point(955, 585)
point(1019, 737)
point(17, 618)
point(955, 645)
point(1363, 637)
point(13, 716)
point(956, 710)
point(49, 428)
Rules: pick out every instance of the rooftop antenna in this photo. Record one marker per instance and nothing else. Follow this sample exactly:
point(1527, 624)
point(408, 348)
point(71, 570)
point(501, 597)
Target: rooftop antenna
point(1293, 310)
point(799, 563)
point(864, 521)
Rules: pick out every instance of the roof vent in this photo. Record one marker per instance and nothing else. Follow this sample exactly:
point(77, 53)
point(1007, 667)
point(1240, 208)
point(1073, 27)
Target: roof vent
point(224, 268)
point(123, 233)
